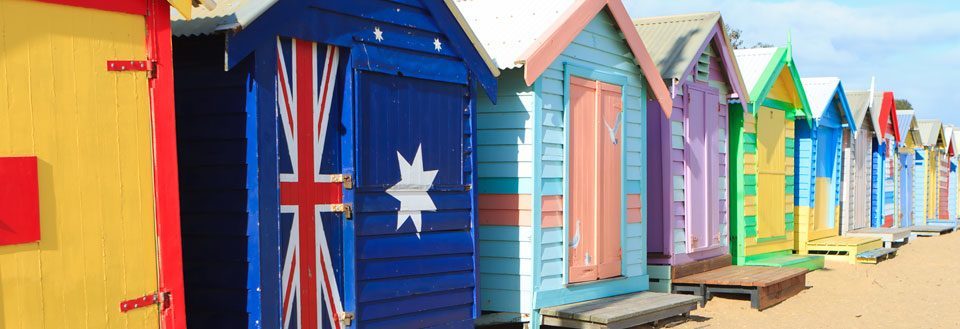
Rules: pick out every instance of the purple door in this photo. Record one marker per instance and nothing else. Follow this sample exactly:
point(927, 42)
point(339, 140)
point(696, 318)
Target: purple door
point(703, 168)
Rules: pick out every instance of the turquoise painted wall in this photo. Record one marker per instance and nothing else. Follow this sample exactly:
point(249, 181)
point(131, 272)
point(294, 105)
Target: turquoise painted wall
point(599, 47)
point(521, 143)
point(505, 137)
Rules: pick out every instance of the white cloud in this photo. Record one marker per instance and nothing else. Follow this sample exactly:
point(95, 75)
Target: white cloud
point(911, 49)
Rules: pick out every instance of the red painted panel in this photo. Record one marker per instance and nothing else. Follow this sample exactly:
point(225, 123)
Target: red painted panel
point(136, 7)
point(551, 211)
point(610, 198)
point(583, 188)
point(19, 200)
point(166, 183)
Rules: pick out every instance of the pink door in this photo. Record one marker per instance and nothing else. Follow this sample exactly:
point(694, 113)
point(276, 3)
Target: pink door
point(583, 192)
point(703, 169)
point(608, 178)
point(595, 195)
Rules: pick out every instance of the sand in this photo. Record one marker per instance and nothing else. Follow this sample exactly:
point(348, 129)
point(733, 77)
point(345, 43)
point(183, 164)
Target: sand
point(920, 288)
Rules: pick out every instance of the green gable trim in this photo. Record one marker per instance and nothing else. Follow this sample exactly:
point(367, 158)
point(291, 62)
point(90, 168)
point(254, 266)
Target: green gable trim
point(781, 59)
point(779, 105)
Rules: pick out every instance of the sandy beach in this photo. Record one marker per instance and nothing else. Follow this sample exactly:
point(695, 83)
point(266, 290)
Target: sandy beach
point(917, 289)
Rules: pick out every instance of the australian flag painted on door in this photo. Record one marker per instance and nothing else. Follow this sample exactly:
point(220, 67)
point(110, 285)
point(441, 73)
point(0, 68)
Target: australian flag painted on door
point(309, 98)
point(354, 163)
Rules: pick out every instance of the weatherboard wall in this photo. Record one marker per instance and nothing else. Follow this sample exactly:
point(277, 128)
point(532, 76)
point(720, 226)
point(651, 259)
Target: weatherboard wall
point(523, 156)
point(401, 86)
point(670, 174)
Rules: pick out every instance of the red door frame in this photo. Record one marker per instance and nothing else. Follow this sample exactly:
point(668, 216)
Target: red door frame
point(166, 183)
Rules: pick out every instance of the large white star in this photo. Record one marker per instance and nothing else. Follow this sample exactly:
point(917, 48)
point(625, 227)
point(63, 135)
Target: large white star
point(412, 189)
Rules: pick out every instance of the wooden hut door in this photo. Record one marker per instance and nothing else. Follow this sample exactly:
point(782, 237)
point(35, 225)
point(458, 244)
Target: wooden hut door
point(595, 180)
point(944, 182)
point(702, 169)
point(771, 181)
point(864, 163)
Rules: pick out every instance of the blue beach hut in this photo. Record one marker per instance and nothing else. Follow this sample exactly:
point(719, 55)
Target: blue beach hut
point(562, 163)
point(327, 175)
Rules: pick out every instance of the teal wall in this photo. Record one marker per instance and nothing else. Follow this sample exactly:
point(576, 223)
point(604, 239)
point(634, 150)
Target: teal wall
point(600, 48)
point(505, 137)
point(522, 268)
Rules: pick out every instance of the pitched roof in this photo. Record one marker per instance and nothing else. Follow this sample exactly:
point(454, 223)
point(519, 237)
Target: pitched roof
point(930, 130)
point(676, 42)
point(761, 67)
point(907, 121)
point(859, 105)
point(884, 115)
point(948, 132)
point(228, 15)
point(820, 94)
point(537, 31)
point(752, 64)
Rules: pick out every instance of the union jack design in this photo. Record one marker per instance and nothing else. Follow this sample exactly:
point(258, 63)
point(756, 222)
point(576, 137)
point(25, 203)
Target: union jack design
point(307, 104)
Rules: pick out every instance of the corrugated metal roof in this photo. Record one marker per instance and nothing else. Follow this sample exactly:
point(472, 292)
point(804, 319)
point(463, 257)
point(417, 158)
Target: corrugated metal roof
point(228, 15)
point(875, 113)
point(820, 92)
point(948, 131)
point(929, 129)
point(752, 64)
point(859, 102)
point(674, 41)
point(907, 122)
point(507, 28)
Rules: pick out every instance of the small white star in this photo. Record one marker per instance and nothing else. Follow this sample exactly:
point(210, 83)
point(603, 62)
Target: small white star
point(436, 44)
point(412, 189)
point(377, 34)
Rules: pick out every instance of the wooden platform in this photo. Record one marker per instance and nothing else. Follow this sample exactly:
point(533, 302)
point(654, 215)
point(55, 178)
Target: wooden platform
point(876, 255)
point(807, 262)
point(622, 311)
point(931, 230)
point(766, 286)
point(844, 247)
point(888, 235)
point(661, 276)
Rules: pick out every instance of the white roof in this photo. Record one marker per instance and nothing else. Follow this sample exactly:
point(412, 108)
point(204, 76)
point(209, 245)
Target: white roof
point(820, 91)
point(228, 15)
point(752, 63)
point(507, 28)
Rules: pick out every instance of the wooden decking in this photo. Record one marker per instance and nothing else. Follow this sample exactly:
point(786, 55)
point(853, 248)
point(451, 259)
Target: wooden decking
point(767, 286)
point(844, 247)
point(889, 235)
point(622, 311)
point(876, 255)
point(931, 230)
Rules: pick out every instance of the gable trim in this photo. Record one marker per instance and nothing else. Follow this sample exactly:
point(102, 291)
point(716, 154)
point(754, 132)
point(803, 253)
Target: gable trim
point(555, 40)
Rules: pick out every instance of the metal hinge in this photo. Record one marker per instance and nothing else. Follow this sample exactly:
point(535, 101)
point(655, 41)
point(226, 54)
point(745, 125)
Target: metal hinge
point(343, 208)
point(346, 318)
point(146, 66)
point(345, 179)
point(157, 298)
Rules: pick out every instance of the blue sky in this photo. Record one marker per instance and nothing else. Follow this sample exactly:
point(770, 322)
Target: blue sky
point(911, 47)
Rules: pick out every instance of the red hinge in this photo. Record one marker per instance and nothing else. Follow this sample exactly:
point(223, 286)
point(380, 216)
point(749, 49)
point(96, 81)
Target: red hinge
point(121, 66)
point(161, 298)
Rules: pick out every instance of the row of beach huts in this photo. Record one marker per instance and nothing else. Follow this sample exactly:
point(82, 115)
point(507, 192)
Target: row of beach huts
point(431, 163)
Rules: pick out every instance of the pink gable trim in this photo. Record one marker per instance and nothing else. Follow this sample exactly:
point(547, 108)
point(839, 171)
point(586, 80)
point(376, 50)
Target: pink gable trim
point(541, 54)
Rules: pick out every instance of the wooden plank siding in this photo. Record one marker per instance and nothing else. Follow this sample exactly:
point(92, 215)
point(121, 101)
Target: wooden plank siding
point(91, 132)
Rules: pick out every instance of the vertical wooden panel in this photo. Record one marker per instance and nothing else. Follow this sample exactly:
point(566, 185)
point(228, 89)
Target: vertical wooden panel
point(583, 168)
point(91, 132)
point(610, 198)
point(771, 150)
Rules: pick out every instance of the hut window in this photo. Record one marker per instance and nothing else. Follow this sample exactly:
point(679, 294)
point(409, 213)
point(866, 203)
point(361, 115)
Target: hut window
point(703, 67)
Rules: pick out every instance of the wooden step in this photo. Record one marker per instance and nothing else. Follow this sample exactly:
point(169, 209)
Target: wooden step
point(876, 255)
point(766, 286)
point(623, 311)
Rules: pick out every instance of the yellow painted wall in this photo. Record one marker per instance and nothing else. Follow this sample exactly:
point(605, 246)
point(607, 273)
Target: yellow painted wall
point(771, 152)
point(933, 195)
point(90, 130)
